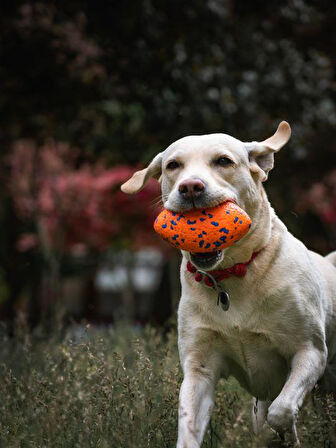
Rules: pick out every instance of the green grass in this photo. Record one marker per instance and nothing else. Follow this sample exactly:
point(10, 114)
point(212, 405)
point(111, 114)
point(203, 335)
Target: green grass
point(116, 388)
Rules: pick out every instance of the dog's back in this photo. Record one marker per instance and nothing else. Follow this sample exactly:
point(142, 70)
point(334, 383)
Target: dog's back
point(332, 257)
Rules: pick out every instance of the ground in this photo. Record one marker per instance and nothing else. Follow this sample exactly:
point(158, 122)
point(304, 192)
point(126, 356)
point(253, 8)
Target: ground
point(117, 387)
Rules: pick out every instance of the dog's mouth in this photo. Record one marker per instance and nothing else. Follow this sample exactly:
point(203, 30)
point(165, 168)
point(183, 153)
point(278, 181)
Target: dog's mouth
point(205, 260)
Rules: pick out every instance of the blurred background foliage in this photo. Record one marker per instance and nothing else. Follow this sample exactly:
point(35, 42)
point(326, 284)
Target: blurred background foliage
point(90, 90)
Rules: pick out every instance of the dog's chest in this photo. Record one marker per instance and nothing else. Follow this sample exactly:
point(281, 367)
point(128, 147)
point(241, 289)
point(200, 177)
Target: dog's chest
point(253, 360)
point(250, 352)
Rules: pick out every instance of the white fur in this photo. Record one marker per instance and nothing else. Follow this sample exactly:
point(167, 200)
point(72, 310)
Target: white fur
point(280, 330)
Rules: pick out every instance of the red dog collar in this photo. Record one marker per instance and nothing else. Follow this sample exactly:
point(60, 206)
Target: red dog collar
point(239, 270)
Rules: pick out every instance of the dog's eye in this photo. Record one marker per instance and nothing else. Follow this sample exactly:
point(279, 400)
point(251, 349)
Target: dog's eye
point(172, 165)
point(223, 161)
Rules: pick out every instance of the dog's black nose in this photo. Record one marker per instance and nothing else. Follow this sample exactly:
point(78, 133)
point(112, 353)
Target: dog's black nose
point(191, 188)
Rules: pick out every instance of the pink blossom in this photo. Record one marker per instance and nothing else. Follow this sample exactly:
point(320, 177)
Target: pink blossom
point(78, 206)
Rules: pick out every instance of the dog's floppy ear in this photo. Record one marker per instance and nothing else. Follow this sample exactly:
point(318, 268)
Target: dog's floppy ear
point(261, 154)
point(139, 178)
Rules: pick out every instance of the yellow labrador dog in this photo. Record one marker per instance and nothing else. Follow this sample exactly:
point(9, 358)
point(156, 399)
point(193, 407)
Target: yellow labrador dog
point(278, 337)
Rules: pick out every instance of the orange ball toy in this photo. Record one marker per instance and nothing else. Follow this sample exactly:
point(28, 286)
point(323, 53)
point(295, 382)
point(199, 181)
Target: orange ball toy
point(203, 230)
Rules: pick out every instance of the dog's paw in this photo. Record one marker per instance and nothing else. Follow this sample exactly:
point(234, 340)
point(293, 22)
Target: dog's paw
point(188, 443)
point(282, 416)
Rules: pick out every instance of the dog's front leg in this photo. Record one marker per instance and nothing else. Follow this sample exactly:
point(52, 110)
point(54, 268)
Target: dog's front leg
point(306, 368)
point(196, 402)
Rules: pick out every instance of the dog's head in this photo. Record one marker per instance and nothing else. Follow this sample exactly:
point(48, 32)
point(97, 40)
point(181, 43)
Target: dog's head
point(205, 170)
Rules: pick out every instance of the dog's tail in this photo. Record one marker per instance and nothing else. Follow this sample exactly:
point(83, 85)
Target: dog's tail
point(332, 257)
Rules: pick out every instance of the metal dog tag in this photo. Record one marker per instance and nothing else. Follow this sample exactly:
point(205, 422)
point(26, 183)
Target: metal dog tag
point(224, 299)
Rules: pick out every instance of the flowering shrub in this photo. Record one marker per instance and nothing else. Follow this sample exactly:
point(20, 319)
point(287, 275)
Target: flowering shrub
point(77, 208)
point(320, 199)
